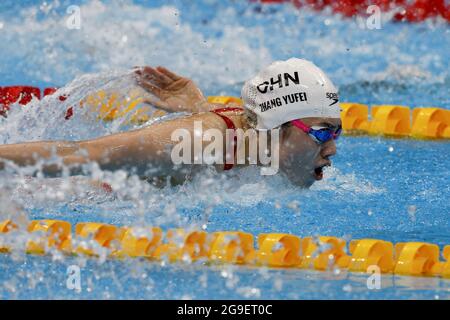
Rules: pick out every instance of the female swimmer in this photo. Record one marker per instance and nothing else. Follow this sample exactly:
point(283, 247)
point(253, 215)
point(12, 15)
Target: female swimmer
point(294, 96)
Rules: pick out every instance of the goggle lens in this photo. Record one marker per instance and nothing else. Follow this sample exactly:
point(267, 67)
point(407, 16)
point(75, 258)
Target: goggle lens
point(320, 135)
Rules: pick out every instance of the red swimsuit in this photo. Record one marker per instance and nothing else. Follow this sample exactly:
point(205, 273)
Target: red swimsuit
point(230, 125)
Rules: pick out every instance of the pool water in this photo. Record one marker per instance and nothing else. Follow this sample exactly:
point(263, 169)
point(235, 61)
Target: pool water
point(390, 189)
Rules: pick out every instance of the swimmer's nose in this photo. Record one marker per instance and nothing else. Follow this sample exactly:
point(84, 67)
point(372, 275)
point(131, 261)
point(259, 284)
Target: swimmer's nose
point(328, 149)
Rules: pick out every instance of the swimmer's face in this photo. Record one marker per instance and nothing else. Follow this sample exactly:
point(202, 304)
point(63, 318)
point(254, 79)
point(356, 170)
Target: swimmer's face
point(301, 158)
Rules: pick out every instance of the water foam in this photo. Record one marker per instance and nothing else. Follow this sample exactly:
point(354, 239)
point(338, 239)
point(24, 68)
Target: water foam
point(121, 34)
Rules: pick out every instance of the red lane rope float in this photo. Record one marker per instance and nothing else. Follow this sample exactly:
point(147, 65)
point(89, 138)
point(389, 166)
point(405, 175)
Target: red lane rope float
point(420, 10)
point(23, 95)
point(20, 94)
point(49, 91)
point(411, 11)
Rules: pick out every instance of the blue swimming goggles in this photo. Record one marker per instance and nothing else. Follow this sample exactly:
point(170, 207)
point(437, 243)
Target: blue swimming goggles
point(320, 136)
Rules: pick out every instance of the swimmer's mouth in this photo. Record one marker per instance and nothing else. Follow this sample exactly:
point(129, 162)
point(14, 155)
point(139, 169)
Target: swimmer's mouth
point(318, 171)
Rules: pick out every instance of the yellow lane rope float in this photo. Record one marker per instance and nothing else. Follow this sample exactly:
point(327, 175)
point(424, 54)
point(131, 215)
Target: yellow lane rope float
point(396, 121)
point(111, 106)
point(277, 250)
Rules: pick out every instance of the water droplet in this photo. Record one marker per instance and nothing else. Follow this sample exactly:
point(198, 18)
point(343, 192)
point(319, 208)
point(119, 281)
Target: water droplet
point(278, 284)
point(412, 212)
point(277, 204)
point(347, 288)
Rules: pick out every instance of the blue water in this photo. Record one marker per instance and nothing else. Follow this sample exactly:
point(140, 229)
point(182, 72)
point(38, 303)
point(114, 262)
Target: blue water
point(390, 189)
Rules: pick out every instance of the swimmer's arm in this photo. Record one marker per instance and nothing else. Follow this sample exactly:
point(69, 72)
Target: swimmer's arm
point(151, 148)
point(109, 152)
point(148, 151)
point(131, 151)
point(28, 154)
point(138, 151)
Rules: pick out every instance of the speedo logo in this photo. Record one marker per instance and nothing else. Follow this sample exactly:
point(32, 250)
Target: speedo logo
point(269, 85)
point(333, 96)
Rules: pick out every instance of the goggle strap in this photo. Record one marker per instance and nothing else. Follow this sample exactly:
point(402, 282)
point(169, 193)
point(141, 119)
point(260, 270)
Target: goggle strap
point(301, 125)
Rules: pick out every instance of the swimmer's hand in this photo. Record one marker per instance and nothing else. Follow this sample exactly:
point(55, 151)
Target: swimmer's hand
point(172, 92)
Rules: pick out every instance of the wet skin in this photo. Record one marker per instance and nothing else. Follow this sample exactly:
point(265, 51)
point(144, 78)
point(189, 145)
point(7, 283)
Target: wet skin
point(301, 156)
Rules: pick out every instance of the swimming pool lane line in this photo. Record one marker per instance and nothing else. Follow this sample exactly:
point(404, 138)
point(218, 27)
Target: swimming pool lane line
point(395, 121)
point(275, 250)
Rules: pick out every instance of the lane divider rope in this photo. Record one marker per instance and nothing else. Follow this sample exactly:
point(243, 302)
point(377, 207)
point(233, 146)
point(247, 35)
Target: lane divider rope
point(277, 250)
point(401, 10)
point(385, 120)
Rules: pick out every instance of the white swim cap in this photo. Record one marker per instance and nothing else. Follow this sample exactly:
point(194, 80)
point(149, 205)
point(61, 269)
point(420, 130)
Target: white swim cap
point(289, 90)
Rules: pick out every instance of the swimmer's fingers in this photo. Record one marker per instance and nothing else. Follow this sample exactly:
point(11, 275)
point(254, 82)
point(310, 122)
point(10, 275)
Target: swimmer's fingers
point(157, 77)
point(168, 73)
point(150, 87)
point(158, 94)
point(152, 75)
point(147, 82)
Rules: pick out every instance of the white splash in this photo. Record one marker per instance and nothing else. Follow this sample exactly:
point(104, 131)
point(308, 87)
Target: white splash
point(121, 34)
point(334, 180)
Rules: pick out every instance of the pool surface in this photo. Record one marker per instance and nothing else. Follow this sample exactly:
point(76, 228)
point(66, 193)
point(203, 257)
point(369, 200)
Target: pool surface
point(383, 188)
